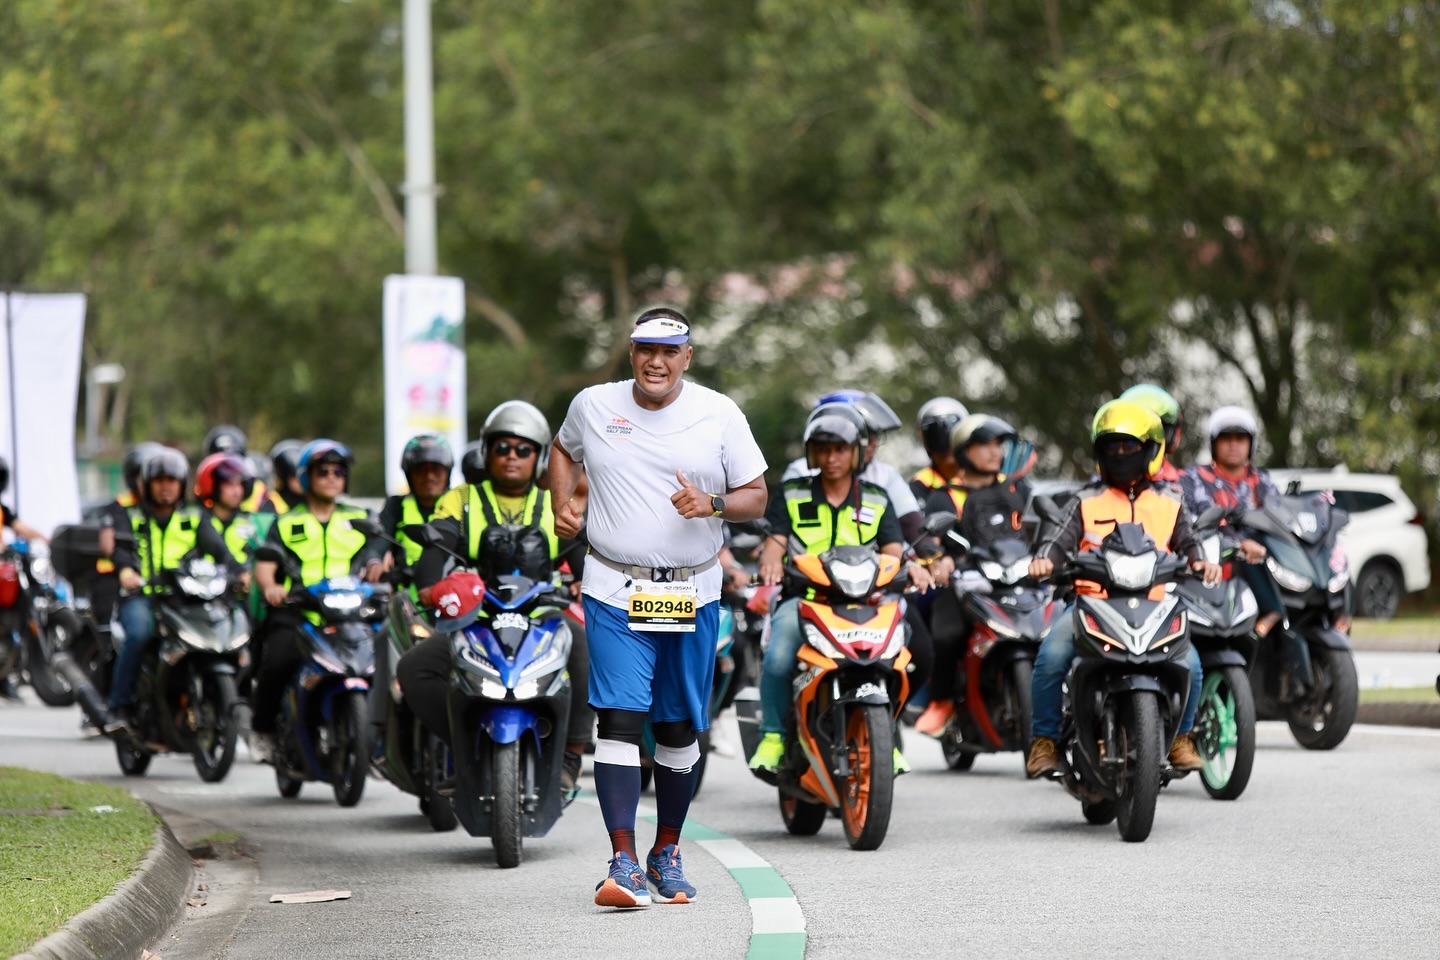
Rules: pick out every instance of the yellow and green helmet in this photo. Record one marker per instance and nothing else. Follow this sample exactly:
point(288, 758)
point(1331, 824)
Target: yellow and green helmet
point(1127, 418)
point(1159, 402)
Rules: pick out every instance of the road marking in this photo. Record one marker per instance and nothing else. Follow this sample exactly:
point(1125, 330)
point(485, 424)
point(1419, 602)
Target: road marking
point(777, 924)
point(1376, 728)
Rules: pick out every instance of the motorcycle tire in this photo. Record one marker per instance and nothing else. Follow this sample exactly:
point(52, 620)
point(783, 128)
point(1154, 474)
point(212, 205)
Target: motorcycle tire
point(1322, 720)
point(437, 808)
point(1225, 732)
point(508, 829)
point(955, 758)
point(1100, 813)
point(350, 759)
point(1144, 753)
point(133, 760)
point(212, 747)
point(801, 818)
point(1020, 679)
point(866, 795)
point(47, 682)
point(289, 788)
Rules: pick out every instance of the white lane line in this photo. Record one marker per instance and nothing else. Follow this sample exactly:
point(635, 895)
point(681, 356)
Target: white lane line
point(776, 915)
point(1378, 730)
point(732, 854)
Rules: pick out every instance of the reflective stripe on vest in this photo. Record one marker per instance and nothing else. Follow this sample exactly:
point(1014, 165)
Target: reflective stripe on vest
point(826, 526)
point(958, 496)
point(324, 550)
point(929, 478)
point(162, 547)
point(481, 510)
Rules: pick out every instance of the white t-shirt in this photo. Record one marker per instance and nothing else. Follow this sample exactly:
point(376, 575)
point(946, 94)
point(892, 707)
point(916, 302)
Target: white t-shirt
point(631, 455)
point(902, 498)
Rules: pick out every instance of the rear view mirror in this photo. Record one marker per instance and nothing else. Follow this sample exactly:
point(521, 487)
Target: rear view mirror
point(1047, 510)
point(939, 523)
point(368, 527)
point(422, 533)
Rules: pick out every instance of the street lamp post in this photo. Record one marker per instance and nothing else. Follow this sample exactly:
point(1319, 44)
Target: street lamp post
point(421, 256)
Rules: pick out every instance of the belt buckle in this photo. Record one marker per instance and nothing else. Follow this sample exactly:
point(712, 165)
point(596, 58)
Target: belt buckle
point(663, 574)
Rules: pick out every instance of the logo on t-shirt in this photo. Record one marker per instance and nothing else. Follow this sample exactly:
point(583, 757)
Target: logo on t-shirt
point(618, 427)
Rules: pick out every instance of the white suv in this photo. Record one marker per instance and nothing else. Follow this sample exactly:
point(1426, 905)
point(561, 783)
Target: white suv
point(1385, 540)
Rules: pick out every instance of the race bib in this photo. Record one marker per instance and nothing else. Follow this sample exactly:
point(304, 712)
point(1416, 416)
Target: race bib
point(663, 607)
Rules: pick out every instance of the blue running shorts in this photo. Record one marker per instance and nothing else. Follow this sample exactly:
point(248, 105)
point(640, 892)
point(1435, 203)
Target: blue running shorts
point(667, 675)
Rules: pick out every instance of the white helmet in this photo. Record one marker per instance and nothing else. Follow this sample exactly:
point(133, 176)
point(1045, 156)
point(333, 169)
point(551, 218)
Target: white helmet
point(937, 417)
point(516, 418)
point(1232, 419)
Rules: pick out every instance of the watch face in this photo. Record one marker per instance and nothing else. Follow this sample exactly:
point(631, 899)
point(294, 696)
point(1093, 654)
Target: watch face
point(717, 504)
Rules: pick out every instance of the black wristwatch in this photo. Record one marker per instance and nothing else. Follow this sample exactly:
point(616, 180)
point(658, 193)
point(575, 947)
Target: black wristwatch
point(718, 504)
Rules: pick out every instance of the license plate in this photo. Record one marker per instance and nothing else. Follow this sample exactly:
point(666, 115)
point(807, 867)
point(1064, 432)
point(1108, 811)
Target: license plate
point(663, 607)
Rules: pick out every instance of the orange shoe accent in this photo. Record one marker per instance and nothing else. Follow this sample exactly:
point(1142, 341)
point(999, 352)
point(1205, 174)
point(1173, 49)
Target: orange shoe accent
point(936, 717)
point(680, 898)
point(611, 894)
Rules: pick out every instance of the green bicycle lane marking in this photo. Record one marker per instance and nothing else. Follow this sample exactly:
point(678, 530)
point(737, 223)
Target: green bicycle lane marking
point(777, 924)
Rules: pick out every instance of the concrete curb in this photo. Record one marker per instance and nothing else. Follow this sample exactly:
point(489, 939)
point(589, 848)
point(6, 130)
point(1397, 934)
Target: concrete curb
point(1400, 714)
point(140, 910)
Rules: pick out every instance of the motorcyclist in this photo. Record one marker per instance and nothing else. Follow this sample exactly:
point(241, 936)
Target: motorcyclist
point(228, 438)
point(285, 461)
point(472, 520)
point(989, 504)
point(1159, 402)
point(22, 531)
point(166, 531)
point(313, 541)
point(833, 507)
point(223, 484)
point(1129, 445)
point(426, 461)
point(936, 419)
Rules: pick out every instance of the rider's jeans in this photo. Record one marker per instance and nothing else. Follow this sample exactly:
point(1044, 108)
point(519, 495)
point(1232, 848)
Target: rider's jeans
point(779, 665)
point(1057, 650)
point(138, 620)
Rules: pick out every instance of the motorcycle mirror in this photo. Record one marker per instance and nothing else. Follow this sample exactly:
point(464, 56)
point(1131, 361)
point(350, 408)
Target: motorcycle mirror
point(1048, 510)
point(1210, 517)
point(1292, 489)
point(422, 533)
point(958, 540)
point(368, 527)
point(759, 526)
point(939, 523)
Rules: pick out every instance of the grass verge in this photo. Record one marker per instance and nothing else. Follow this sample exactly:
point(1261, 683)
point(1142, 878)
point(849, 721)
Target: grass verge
point(1400, 695)
point(57, 854)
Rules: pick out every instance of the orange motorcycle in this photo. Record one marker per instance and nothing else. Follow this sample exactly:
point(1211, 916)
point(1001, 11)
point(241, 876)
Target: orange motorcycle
point(848, 690)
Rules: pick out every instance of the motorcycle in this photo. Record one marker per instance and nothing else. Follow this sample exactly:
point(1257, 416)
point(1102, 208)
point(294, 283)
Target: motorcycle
point(851, 685)
point(1127, 686)
point(82, 650)
point(185, 699)
point(30, 597)
point(1312, 577)
point(323, 732)
point(1009, 613)
point(1222, 624)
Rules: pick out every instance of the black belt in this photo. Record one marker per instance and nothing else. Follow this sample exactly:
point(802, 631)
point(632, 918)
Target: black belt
point(658, 574)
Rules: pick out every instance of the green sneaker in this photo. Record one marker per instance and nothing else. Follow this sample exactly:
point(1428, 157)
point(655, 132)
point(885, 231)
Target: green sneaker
point(770, 752)
point(900, 763)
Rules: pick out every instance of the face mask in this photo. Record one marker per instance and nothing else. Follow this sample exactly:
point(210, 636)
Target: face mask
point(1124, 469)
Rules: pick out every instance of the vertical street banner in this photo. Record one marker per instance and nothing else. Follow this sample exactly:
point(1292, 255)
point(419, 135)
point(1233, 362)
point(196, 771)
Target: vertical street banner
point(424, 341)
point(40, 341)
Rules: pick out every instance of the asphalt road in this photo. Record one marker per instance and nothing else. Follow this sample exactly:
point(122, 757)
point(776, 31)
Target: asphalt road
point(1327, 854)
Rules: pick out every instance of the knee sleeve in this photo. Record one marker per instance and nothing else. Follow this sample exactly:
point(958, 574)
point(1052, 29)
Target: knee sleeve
point(617, 752)
point(622, 726)
point(679, 759)
point(676, 734)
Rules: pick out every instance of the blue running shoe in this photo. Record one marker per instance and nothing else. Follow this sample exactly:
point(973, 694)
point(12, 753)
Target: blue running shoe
point(625, 887)
point(667, 876)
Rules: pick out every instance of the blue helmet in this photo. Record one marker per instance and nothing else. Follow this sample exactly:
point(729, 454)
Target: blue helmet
point(323, 451)
point(879, 418)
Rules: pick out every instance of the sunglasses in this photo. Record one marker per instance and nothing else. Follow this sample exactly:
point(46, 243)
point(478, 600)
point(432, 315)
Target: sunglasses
point(522, 450)
point(329, 471)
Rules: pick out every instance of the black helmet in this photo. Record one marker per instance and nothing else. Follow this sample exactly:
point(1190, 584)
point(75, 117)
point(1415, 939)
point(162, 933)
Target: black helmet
point(937, 417)
point(427, 448)
point(135, 458)
point(4, 474)
point(225, 438)
point(472, 462)
point(285, 460)
point(977, 428)
point(167, 462)
point(832, 428)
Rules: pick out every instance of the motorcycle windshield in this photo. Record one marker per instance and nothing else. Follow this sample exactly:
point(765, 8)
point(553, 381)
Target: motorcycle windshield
point(196, 628)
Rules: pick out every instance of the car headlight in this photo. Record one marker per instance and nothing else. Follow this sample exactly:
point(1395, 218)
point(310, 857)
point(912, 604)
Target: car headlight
point(1131, 573)
point(853, 579)
point(820, 642)
point(1286, 577)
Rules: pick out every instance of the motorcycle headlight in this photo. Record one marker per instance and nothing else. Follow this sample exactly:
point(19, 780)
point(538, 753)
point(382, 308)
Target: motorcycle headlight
point(1017, 571)
point(1338, 581)
point(202, 587)
point(239, 640)
point(1131, 573)
point(853, 579)
point(552, 659)
point(991, 570)
point(42, 571)
point(820, 642)
point(1210, 546)
point(1286, 577)
point(341, 602)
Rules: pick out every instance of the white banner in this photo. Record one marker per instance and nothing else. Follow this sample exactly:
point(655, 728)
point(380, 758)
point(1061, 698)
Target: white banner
point(40, 340)
point(424, 366)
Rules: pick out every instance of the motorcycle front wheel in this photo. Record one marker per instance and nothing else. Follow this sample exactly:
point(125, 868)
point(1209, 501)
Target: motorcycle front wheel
point(1225, 732)
point(867, 793)
point(350, 746)
point(439, 809)
point(133, 761)
point(48, 683)
point(1143, 752)
point(1322, 720)
point(508, 831)
point(213, 744)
